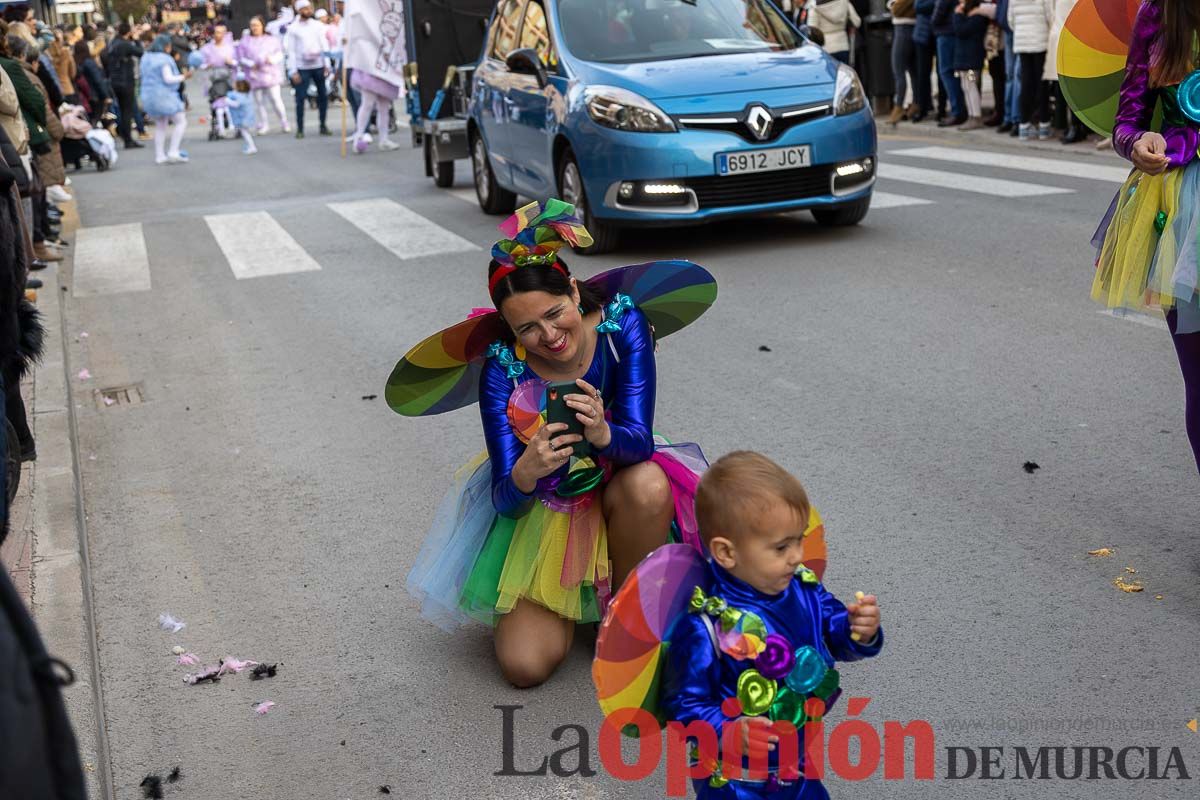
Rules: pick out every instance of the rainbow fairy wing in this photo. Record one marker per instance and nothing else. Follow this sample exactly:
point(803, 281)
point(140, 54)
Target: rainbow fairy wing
point(442, 373)
point(1092, 49)
point(629, 650)
point(672, 294)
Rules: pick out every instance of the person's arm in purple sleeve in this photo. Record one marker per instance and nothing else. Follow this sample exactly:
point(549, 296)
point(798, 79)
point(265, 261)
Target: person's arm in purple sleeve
point(1136, 108)
point(504, 448)
point(836, 626)
point(633, 408)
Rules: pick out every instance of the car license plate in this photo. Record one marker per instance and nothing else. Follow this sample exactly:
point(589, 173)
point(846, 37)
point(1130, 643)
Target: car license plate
point(740, 162)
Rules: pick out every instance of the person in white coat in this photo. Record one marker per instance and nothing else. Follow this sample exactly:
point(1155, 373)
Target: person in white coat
point(1031, 21)
point(832, 18)
point(1075, 130)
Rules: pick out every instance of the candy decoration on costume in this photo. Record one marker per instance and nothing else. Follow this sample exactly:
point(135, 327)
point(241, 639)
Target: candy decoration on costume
point(755, 692)
point(1160, 222)
point(1092, 49)
point(631, 643)
point(1188, 96)
point(777, 659)
point(614, 313)
point(808, 672)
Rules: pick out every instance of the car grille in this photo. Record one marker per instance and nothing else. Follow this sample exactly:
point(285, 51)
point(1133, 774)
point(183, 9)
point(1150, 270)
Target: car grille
point(763, 187)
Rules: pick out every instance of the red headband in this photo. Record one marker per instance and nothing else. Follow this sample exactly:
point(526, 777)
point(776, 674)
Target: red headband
point(504, 270)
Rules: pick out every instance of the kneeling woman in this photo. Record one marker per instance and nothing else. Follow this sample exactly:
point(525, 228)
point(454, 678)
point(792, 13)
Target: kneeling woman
point(524, 540)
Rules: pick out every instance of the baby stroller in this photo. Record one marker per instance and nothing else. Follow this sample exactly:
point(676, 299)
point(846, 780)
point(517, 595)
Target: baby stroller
point(220, 84)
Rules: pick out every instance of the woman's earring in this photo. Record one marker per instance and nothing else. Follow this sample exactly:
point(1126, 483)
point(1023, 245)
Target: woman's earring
point(581, 311)
point(519, 351)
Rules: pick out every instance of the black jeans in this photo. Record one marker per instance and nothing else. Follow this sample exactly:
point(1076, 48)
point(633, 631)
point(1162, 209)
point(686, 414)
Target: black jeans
point(1035, 100)
point(128, 108)
point(996, 70)
point(924, 78)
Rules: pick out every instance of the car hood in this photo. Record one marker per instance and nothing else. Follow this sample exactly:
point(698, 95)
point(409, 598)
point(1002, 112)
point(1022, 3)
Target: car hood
point(711, 76)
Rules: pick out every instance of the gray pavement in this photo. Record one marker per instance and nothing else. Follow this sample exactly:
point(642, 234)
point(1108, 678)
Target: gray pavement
point(916, 362)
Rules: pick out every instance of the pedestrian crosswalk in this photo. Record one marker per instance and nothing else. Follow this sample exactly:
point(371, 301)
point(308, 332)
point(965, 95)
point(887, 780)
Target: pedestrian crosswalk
point(113, 259)
point(256, 245)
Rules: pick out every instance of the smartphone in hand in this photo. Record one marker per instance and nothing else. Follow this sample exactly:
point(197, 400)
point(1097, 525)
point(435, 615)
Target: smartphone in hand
point(557, 410)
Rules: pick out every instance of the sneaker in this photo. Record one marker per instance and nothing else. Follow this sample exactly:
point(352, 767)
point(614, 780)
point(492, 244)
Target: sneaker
point(1025, 131)
point(249, 149)
point(1044, 131)
point(36, 264)
point(896, 115)
point(287, 128)
point(56, 242)
point(133, 144)
point(161, 161)
point(262, 130)
point(58, 194)
point(324, 131)
point(299, 134)
point(1004, 127)
point(972, 124)
point(33, 283)
point(178, 158)
point(388, 144)
point(362, 143)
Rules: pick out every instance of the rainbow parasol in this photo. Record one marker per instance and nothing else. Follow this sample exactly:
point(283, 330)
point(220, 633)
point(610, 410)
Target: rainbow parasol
point(631, 644)
point(1092, 49)
point(442, 372)
point(630, 647)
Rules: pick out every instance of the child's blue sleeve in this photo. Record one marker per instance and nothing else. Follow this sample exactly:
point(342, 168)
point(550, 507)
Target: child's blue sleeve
point(691, 688)
point(835, 621)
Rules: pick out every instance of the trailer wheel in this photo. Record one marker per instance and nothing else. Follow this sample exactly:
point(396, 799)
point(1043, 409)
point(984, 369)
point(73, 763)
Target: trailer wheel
point(442, 172)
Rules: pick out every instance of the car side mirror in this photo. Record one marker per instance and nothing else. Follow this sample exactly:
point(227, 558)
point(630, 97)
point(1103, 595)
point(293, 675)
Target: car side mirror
point(526, 62)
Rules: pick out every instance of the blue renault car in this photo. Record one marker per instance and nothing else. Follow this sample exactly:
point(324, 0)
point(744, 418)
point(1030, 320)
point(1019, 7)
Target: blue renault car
point(666, 112)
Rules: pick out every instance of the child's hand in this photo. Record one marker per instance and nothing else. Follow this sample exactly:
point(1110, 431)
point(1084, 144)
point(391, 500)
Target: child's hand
point(756, 732)
point(864, 617)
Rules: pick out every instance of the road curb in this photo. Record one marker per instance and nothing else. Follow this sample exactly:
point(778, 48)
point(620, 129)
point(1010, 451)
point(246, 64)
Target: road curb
point(62, 601)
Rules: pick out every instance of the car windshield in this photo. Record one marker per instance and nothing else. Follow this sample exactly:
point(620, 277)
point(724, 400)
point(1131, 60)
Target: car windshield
point(629, 31)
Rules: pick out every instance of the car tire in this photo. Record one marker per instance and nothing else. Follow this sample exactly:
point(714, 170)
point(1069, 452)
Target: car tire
point(12, 467)
point(571, 190)
point(843, 216)
point(492, 197)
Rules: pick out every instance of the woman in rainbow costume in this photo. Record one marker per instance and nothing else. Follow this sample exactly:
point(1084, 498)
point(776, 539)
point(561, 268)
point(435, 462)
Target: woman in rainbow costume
point(1149, 252)
point(538, 531)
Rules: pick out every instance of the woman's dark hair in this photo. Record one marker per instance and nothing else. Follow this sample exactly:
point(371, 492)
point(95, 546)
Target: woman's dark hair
point(535, 278)
point(1171, 52)
point(82, 53)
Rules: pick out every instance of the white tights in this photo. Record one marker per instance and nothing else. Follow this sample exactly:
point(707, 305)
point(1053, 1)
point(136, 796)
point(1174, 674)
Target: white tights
point(970, 86)
point(272, 97)
point(179, 123)
point(377, 103)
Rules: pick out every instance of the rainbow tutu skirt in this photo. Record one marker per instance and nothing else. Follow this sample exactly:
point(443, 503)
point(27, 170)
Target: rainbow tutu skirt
point(1149, 246)
point(476, 564)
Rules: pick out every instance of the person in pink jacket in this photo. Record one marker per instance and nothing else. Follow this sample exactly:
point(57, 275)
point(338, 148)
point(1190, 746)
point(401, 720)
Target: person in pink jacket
point(261, 56)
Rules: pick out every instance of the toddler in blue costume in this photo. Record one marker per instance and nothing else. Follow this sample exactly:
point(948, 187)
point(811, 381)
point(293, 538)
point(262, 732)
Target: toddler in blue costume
point(764, 629)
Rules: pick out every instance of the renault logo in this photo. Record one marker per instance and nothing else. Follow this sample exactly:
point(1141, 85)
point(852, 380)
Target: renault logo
point(758, 120)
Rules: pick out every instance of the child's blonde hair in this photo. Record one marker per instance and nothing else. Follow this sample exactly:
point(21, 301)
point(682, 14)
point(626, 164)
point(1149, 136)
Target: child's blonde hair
point(738, 487)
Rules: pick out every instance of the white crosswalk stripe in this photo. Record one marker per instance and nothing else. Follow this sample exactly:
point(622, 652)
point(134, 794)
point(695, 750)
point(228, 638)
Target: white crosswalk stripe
point(1046, 166)
point(962, 182)
point(881, 200)
point(403, 231)
point(256, 245)
point(110, 259)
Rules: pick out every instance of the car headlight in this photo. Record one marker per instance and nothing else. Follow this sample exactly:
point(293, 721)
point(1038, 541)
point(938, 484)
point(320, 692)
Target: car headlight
point(623, 110)
point(848, 94)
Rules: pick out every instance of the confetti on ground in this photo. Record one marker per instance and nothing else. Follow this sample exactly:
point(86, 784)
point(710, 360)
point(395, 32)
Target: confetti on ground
point(178, 650)
point(1128, 586)
point(152, 787)
point(264, 707)
point(169, 623)
point(1158, 597)
point(1031, 466)
point(174, 776)
point(83, 334)
point(762, 348)
point(188, 659)
point(84, 375)
point(211, 674)
point(1103, 552)
point(1131, 570)
point(369, 396)
point(230, 664)
point(108, 401)
point(263, 671)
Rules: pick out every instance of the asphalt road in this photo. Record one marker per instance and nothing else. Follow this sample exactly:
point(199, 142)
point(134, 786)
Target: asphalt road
point(916, 362)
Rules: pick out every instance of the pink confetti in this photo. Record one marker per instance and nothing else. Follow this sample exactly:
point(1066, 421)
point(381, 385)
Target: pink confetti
point(264, 707)
point(84, 375)
point(188, 660)
point(230, 664)
point(83, 334)
point(108, 401)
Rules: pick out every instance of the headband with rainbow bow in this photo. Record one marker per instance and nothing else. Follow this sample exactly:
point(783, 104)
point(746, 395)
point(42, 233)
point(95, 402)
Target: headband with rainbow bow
point(537, 232)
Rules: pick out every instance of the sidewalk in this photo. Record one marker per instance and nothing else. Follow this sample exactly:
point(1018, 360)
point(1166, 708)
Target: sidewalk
point(988, 138)
point(45, 552)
